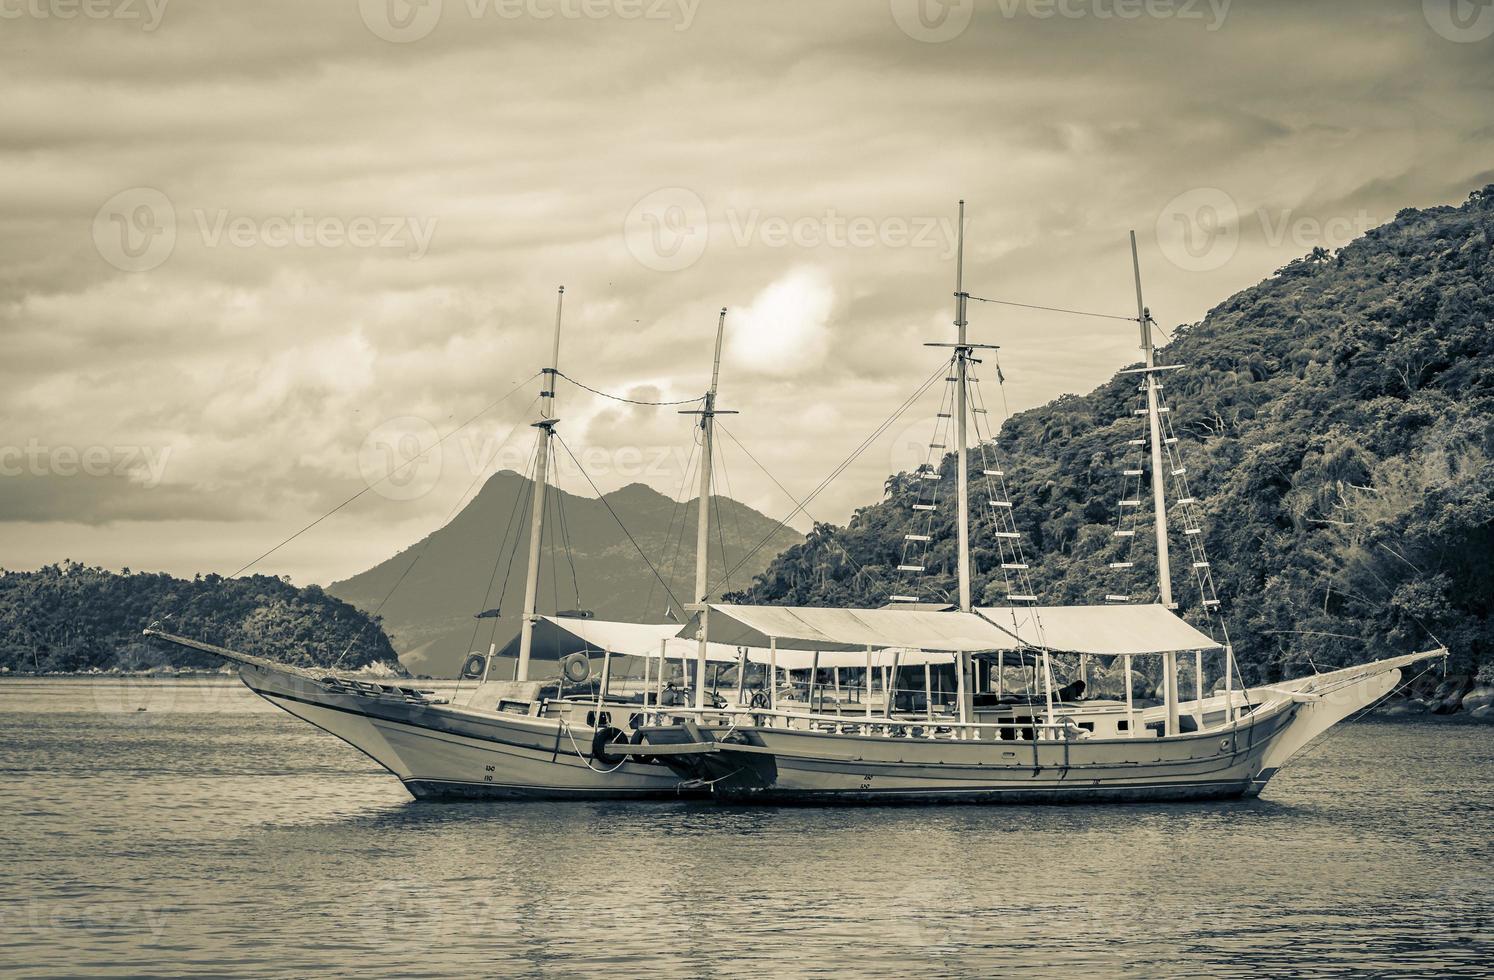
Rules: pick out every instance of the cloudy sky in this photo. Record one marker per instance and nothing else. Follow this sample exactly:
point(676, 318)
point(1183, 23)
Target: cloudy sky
point(254, 251)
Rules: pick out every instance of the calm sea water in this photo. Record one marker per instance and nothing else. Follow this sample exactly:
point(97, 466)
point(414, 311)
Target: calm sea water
point(212, 834)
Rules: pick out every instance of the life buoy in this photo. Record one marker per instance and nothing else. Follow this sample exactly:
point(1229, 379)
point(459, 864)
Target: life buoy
point(474, 665)
point(603, 738)
point(576, 668)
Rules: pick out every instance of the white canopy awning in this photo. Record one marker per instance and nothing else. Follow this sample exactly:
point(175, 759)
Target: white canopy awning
point(1106, 630)
point(828, 630)
point(564, 636)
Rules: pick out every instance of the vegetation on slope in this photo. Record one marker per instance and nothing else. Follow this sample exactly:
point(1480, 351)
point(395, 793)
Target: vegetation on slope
point(71, 617)
point(1337, 421)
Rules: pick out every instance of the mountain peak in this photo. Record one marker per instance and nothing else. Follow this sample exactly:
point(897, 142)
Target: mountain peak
point(636, 492)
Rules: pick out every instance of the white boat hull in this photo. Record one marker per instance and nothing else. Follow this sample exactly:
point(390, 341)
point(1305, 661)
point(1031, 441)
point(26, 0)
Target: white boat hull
point(444, 752)
point(888, 763)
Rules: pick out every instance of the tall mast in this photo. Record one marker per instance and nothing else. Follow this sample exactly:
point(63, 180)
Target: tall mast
point(962, 465)
point(1154, 420)
point(703, 523)
point(546, 425)
point(965, 692)
point(1159, 487)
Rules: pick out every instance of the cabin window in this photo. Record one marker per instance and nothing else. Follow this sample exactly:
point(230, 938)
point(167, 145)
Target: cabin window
point(1124, 725)
point(1088, 726)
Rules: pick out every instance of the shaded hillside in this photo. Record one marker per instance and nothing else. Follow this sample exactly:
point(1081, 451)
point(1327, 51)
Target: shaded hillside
point(483, 552)
point(1337, 421)
point(70, 617)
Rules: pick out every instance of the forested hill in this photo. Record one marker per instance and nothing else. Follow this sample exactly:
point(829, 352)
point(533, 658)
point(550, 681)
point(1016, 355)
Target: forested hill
point(1337, 422)
point(71, 617)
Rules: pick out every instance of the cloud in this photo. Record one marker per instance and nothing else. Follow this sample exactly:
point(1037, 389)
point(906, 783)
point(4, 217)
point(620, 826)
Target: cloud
point(266, 367)
point(785, 330)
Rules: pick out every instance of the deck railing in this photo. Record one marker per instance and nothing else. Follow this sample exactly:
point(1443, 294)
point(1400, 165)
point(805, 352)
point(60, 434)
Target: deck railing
point(893, 727)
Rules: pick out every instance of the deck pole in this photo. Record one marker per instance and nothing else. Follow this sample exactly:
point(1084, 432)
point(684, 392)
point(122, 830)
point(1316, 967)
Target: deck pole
point(890, 683)
point(1198, 687)
point(1130, 702)
point(663, 666)
point(1229, 684)
point(773, 672)
point(928, 690)
point(868, 682)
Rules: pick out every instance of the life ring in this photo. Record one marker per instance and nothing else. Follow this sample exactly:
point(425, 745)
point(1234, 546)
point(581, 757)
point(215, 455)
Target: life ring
point(474, 665)
point(603, 738)
point(576, 668)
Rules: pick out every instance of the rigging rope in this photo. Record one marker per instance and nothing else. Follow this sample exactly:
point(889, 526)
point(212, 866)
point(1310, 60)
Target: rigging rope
point(865, 444)
point(675, 513)
point(386, 476)
point(1050, 309)
point(804, 507)
point(478, 475)
point(608, 504)
point(629, 401)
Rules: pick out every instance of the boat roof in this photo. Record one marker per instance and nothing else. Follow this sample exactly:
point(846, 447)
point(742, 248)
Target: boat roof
point(844, 630)
point(1104, 630)
point(560, 636)
point(1115, 630)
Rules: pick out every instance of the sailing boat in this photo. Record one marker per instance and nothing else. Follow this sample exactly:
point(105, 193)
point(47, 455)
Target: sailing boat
point(506, 740)
point(996, 748)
